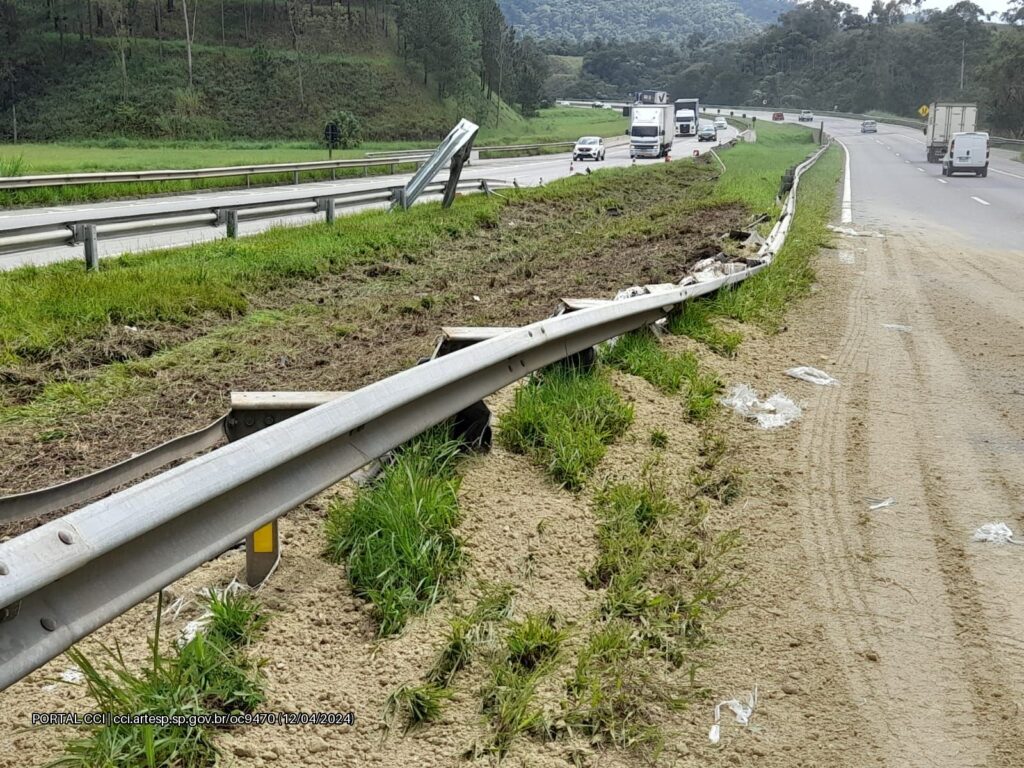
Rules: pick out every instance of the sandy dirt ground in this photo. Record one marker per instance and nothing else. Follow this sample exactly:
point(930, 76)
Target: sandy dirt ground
point(874, 637)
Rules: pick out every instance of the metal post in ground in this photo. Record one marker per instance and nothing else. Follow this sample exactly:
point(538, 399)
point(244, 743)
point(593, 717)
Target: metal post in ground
point(231, 221)
point(328, 206)
point(262, 553)
point(89, 240)
point(295, 177)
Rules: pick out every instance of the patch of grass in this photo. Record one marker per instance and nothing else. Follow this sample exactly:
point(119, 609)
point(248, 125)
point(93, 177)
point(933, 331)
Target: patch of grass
point(611, 691)
point(694, 320)
point(236, 618)
point(467, 632)
point(209, 674)
point(534, 642)
point(564, 418)
point(532, 647)
point(397, 536)
point(415, 704)
point(640, 353)
point(659, 438)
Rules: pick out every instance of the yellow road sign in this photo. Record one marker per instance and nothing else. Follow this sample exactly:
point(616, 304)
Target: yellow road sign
point(923, 111)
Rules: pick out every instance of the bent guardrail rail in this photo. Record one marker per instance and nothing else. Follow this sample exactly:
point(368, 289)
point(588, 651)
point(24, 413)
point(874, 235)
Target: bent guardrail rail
point(70, 576)
point(455, 149)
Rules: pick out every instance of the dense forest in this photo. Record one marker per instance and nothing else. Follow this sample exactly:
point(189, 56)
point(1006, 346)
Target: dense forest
point(258, 68)
point(826, 55)
point(667, 20)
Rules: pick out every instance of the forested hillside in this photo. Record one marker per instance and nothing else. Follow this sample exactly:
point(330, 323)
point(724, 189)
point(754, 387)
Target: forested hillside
point(825, 55)
point(670, 20)
point(211, 69)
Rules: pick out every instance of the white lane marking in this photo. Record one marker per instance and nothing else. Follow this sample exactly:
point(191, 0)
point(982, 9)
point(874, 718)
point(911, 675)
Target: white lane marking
point(897, 154)
point(878, 142)
point(1005, 173)
point(979, 200)
point(942, 181)
point(921, 170)
point(847, 211)
point(907, 162)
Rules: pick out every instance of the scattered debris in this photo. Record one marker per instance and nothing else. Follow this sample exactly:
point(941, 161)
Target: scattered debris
point(713, 268)
point(743, 713)
point(897, 327)
point(644, 290)
point(876, 504)
point(995, 533)
point(476, 298)
point(853, 233)
point(777, 411)
point(813, 375)
point(846, 257)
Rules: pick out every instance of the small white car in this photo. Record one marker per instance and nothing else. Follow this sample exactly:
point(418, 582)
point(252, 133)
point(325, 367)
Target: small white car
point(806, 116)
point(869, 126)
point(720, 124)
point(589, 148)
point(968, 153)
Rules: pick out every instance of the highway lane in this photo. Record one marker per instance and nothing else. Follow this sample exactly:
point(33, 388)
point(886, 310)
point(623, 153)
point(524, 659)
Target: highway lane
point(525, 171)
point(895, 189)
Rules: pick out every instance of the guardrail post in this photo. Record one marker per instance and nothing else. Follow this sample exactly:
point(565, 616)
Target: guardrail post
point(485, 187)
point(295, 177)
point(231, 222)
point(329, 206)
point(89, 240)
point(262, 553)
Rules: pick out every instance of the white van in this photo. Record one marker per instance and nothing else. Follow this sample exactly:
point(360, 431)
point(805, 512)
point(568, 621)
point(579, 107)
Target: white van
point(967, 153)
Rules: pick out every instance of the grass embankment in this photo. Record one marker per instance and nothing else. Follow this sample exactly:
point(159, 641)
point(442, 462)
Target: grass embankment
point(211, 674)
point(397, 537)
point(123, 154)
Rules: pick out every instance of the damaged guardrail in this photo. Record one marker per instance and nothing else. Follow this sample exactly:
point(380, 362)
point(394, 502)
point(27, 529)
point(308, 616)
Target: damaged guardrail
point(68, 577)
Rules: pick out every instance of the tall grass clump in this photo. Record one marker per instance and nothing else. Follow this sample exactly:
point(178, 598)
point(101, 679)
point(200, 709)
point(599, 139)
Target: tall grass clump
point(212, 673)
point(640, 353)
point(563, 418)
point(694, 320)
point(12, 165)
point(397, 536)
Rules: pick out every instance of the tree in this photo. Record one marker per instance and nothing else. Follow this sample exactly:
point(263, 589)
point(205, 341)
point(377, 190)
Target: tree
point(118, 12)
point(190, 32)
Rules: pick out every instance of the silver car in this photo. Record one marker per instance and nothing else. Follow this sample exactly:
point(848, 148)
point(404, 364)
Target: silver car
point(589, 148)
point(869, 126)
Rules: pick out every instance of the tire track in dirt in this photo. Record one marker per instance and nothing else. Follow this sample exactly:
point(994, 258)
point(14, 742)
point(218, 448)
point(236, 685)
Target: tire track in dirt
point(910, 608)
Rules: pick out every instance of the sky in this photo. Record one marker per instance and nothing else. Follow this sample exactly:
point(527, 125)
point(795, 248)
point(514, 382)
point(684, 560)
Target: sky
point(989, 5)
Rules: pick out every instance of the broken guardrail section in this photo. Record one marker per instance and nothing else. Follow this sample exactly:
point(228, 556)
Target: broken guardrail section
point(455, 149)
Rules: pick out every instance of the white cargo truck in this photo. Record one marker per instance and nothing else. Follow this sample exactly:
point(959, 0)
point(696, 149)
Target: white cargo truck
point(687, 117)
point(944, 120)
point(652, 130)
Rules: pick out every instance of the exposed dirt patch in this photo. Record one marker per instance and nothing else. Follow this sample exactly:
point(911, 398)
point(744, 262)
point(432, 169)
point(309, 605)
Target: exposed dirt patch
point(342, 331)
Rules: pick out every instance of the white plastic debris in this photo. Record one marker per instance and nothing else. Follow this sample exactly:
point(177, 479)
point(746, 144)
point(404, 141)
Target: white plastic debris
point(846, 257)
point(876, 504)
point(813, 375)
point(897, 327)
point(777, 411)
point(712, 269)
point(644, 290)
point(743, 713)
point(996, 533)
point(853, 232)
point(72, 675)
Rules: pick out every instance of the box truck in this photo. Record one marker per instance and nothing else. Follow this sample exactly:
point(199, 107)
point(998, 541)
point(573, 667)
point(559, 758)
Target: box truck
point(687, 116)
point(651, 130)
point(944, 120)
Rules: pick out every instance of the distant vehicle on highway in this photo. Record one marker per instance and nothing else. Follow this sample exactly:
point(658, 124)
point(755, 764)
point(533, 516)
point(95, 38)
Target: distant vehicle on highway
point(868, 126)
point(968, 153)
point(720, 124)
point(598, 105)
point(806, 116)
point(589, 148)
point(651, 130)
point(778, 116)
point(707, 132)
point(687, 116)
point(944, 120)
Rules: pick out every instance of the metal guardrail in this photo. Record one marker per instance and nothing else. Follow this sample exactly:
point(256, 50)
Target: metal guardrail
point(68, 577)
point(454, 150)
point(127, 177)
point(74, 228)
